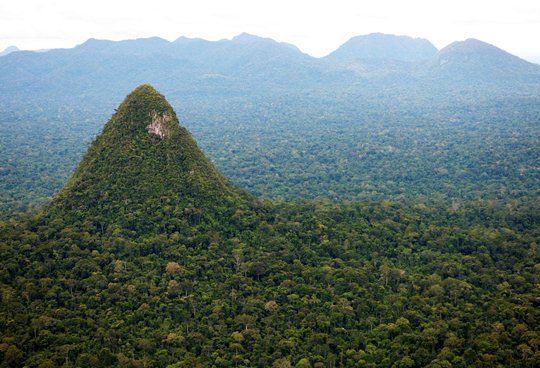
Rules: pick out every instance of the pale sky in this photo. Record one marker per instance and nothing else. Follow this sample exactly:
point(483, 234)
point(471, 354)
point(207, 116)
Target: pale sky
point(316, 27)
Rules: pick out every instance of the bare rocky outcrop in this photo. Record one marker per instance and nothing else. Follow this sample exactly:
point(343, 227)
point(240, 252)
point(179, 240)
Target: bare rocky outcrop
point(158, 124)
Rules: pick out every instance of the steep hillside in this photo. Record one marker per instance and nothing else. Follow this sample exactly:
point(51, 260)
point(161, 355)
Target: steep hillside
point(142, 162)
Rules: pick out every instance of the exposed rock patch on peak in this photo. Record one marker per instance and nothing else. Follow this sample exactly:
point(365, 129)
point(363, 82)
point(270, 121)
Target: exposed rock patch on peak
point(157, 126)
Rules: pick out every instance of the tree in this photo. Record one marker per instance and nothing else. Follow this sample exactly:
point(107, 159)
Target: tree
point(173, 268)
point(282, 363)
point(303, 363)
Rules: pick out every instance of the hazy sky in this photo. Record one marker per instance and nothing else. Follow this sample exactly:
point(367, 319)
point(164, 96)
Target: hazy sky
point(316, 27)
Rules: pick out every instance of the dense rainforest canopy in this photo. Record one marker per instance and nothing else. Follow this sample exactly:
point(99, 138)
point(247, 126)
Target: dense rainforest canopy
point(382, 117)
point(150, 258)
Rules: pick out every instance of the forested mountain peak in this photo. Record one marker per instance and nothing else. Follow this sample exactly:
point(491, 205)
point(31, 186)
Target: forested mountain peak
point(475, 60)
point(143, 110)
point(142, 162)
point(473, 48)
point(384, 47)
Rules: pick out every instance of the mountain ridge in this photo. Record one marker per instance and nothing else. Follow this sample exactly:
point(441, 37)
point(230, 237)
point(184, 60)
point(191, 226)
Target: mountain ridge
point(376, 46)
point(247, 67)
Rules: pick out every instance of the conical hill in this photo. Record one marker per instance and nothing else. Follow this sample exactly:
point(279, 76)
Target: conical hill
point(143, 168)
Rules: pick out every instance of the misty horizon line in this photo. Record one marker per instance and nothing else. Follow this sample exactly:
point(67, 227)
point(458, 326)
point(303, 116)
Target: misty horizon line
point(531, 57)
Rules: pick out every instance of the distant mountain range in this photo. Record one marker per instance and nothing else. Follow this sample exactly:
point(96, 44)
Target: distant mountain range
point(247, 65)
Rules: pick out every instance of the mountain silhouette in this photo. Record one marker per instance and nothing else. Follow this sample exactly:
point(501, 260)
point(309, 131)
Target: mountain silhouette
point(379, 46)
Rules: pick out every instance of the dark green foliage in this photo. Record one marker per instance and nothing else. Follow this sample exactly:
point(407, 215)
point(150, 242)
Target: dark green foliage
point(193, 273)
point(299, 147)
point(374, 284)
point(353, 150)
point(142, 162)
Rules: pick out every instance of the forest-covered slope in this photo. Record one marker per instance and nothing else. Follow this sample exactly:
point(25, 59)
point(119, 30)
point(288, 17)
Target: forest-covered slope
point(294, 147)
point(142, 162)
point(235, 282)
point(391, 118)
